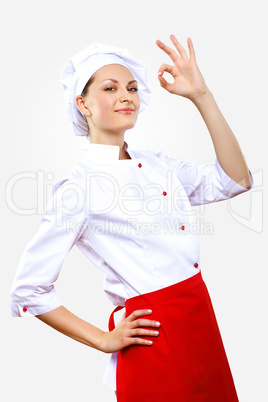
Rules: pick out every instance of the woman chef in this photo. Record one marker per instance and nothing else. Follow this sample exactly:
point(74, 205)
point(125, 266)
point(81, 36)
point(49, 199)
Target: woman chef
point(129, 212)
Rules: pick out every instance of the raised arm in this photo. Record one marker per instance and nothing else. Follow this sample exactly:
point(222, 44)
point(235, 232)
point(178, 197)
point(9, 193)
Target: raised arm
point(189, 83)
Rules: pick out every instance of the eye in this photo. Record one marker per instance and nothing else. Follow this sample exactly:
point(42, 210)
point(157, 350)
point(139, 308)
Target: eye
point(133, 89)
point(111, 89)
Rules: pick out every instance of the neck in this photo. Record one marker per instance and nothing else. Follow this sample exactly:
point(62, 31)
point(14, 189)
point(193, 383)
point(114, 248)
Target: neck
point(110, 139)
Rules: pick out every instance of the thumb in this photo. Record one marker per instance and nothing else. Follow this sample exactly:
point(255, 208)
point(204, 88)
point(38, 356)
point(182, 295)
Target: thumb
point(164, 84)
point(123, 316)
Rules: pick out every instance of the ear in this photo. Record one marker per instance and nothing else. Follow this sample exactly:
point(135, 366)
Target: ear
point(81, 104)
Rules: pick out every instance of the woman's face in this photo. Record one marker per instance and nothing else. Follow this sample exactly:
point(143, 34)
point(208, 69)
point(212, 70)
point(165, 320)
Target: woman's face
point(112, 100)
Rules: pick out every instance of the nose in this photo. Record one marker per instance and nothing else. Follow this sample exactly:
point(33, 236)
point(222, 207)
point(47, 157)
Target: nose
point(125, 96)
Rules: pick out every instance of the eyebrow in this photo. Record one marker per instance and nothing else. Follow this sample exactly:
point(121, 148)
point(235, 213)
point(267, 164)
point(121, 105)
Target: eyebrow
point(111, 79)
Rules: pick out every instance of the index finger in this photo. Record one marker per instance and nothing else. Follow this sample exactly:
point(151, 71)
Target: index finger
point(139, 313)
point(172, 54)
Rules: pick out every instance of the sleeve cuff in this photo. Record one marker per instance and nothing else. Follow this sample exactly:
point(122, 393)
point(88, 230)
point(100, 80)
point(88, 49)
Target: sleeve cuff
point(231, 188)
point(35, 306)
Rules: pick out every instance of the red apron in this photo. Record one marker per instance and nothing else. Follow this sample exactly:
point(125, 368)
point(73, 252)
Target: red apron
point(187, 361)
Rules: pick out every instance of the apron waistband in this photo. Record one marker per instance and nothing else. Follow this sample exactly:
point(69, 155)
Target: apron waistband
point(160, 295)
point(111, 319)
point(137, 302)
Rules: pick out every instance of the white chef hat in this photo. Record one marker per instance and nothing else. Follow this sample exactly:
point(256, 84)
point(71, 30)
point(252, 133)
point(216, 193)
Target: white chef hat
point(84, 64)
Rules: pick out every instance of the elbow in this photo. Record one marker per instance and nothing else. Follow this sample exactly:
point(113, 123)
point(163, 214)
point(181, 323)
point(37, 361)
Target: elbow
point(246, 181)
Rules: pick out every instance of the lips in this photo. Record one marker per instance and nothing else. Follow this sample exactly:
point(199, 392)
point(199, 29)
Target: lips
point(125, 110)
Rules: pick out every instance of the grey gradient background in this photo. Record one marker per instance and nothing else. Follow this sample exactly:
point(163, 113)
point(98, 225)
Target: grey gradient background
point(37, 38)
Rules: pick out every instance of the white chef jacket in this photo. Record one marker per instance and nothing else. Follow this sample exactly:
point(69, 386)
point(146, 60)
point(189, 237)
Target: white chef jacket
point(132, 218)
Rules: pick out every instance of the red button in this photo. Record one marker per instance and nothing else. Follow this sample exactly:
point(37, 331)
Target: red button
point(196, 265)
point(140, 165)
point(164, 193)
point(182, 227)
point(24, 309)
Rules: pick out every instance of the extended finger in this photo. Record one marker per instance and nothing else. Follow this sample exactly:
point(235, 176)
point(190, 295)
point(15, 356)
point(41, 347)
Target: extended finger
point(144, 332)
point(179, 47)
point(140, 341)
point(138, 313)
point(172, 54)
point(143, 322)
point(191, 49)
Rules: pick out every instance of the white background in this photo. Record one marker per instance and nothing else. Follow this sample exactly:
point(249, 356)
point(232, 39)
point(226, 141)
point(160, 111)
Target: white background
point(230, 40)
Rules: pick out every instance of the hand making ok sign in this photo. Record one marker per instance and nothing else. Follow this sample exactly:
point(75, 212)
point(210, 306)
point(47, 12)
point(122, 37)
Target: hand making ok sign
point(188, 80)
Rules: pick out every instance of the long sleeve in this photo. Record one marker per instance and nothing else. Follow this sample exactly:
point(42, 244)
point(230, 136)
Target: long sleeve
point(203, 183)
point(61, 225)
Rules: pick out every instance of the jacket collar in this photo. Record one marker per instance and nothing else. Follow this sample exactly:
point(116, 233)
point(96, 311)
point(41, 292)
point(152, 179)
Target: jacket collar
point(103, 152)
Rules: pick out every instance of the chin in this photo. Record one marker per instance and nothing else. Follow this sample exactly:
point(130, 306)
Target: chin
point(125, 126)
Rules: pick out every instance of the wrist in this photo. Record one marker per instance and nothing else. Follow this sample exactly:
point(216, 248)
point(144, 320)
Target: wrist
point(96, 339)
point(202, 98)
point(103, 342)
